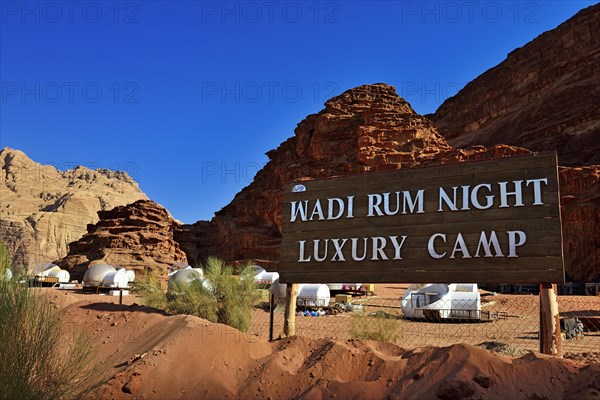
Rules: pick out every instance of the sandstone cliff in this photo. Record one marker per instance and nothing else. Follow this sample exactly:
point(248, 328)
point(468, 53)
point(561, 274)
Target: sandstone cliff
point(369, 128)
point(137, 236)
point(43, 209)
point(544, 96)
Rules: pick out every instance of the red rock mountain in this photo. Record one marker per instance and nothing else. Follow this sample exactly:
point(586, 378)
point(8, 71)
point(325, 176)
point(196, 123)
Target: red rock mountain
point(138, 236)
point(369, 128)
point(544, 96)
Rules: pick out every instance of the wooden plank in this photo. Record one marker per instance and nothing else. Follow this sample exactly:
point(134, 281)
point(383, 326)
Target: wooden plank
point(538, 218)
point(458, 276)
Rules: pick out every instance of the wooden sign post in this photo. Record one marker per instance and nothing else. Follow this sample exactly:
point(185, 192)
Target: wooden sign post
point(550, 335)
point(289, 324)
point(494, 221)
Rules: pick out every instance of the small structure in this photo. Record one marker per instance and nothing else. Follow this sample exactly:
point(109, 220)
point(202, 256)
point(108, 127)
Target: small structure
point(94, 276)
point(262, 277)
point(50, 274)
point(177, 266)
point(108, 277)
point(441, 301)
point(309, 295)
point(117, 279)
point(185, 276)
point(313, 295)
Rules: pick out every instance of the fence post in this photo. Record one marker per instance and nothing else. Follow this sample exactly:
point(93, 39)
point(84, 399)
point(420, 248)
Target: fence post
point(121, 296)
point(271, 315)
point(550, 335)
point(289, 326)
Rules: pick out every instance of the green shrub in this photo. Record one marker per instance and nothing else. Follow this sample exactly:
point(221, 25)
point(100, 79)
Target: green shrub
point(37, 360)
point(380, 326)
point(225, 298)
point(148, 287)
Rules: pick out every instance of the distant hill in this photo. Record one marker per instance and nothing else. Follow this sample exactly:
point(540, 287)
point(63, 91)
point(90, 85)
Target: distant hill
point(544, 96)
point(43, 209)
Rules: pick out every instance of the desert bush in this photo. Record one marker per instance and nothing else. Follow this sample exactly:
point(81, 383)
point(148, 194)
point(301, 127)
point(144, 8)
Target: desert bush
point(37, 360)
point(224, 298)
point(148, 287)
point(379, 326)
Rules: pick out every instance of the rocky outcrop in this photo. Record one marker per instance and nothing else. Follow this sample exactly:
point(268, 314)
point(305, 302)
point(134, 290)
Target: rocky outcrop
point(138, 236)
point(580, 200)
point(369, 128)
point(43, 209)
point(544, 96)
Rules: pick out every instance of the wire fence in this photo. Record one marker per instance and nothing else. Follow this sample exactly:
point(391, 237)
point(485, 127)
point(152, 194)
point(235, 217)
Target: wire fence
point(508, 323)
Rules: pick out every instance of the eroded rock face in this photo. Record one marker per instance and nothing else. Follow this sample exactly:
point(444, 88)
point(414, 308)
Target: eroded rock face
point(580, 199)
point(137, 236)
point(43, 209)
point(544, 96)
point(369, 128)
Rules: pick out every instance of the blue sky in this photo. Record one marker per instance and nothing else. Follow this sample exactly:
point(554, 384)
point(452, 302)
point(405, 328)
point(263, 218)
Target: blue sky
point(187, 96)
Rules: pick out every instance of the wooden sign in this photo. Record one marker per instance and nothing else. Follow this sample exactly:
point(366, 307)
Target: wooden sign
point(494, 221)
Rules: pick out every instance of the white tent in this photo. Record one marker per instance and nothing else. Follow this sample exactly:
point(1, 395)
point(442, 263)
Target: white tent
point(177, 266)
point(312, 295)
point(62, 275)
point(116, 279)
point(41, 267)
point(441, 301)
point(187, 275)
point(95, 274)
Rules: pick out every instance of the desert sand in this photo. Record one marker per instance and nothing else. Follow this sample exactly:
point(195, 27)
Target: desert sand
point(142, 353)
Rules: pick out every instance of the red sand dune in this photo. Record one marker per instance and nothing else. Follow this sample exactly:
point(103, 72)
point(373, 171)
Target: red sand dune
point(141, 353)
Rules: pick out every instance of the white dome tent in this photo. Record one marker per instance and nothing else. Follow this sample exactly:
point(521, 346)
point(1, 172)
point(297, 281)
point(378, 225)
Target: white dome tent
point(105, 276)
point(95, 274)
point(185, 276)
point(261, 276)
point(441, 301)
point(50, 273)
point(130, 275)
point(41, 267)
point(177, 266)
point(117, 279)
point(309, 295)
point(62, 275)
